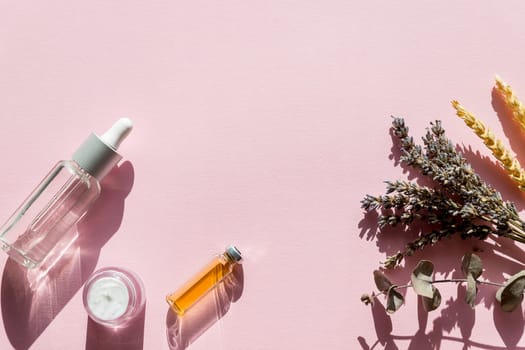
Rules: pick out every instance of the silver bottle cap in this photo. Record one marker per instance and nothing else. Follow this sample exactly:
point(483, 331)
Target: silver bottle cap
point(234, 253)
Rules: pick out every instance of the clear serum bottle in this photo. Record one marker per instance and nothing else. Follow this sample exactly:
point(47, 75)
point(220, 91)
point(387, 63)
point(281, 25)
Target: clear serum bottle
point(213, 273)
point(62, 198)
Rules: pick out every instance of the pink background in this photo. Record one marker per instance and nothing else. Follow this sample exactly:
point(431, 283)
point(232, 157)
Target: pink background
point(259, 123)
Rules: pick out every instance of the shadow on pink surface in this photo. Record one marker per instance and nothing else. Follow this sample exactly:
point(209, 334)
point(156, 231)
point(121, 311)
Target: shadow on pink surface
point(31, 299)
point(129, 337)
point(500, 255)
point(456, 314)
point(181, 331)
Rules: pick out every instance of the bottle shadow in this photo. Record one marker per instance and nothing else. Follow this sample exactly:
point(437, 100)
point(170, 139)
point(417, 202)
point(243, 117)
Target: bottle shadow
point(181, 331)
point(129, 337)
point(31, 299)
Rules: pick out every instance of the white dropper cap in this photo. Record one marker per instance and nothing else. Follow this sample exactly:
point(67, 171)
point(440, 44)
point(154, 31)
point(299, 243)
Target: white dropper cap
point(97, 155)
point(117, 133)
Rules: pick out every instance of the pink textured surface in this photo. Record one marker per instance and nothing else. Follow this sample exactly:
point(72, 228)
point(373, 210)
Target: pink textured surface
point(261, 123)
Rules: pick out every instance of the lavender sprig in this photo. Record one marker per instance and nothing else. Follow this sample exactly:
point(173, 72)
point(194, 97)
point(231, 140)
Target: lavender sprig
point(459, 203)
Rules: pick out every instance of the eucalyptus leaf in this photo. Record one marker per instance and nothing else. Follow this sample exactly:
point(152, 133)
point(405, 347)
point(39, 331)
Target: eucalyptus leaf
point(394, 300)
point(511, 294)
point(430, 304)
point(382, 283)
point(472, 289)
point(471, 264)
point(422, 279)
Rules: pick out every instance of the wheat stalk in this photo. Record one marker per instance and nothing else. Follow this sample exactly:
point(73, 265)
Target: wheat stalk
point(509, 162)
point(512, 101)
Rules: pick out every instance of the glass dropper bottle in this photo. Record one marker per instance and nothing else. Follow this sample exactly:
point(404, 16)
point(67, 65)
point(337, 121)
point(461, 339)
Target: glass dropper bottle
point(42, 225)
point(213, 273)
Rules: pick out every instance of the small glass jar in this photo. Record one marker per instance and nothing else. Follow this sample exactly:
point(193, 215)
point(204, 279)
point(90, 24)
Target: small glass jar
point(113, 296)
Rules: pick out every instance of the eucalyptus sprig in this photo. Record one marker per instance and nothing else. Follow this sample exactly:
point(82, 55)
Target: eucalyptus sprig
point(460, 202)
point(509, 294)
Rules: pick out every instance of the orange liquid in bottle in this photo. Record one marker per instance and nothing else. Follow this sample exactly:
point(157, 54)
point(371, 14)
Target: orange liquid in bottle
point(201, 283)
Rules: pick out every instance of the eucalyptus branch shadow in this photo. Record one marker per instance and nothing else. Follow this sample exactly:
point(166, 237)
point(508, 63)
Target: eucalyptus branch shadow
point(31, 299)
point(509, 325)
point(183, 330)
point(455, 314)
point(383, 327)
point(421, 340)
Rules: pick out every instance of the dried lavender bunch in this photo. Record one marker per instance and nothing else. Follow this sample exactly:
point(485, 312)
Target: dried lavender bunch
point(459, 203)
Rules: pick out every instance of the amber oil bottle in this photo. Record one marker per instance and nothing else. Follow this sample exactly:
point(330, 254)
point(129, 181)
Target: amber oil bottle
point(213, 273)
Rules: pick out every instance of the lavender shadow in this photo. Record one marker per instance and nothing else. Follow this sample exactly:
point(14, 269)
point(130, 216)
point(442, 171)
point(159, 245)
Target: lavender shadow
point(181, 331)
point(28, 307)
point(130, 337)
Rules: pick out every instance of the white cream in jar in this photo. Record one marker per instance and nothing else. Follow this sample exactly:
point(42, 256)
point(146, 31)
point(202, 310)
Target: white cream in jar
point(112, 296)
